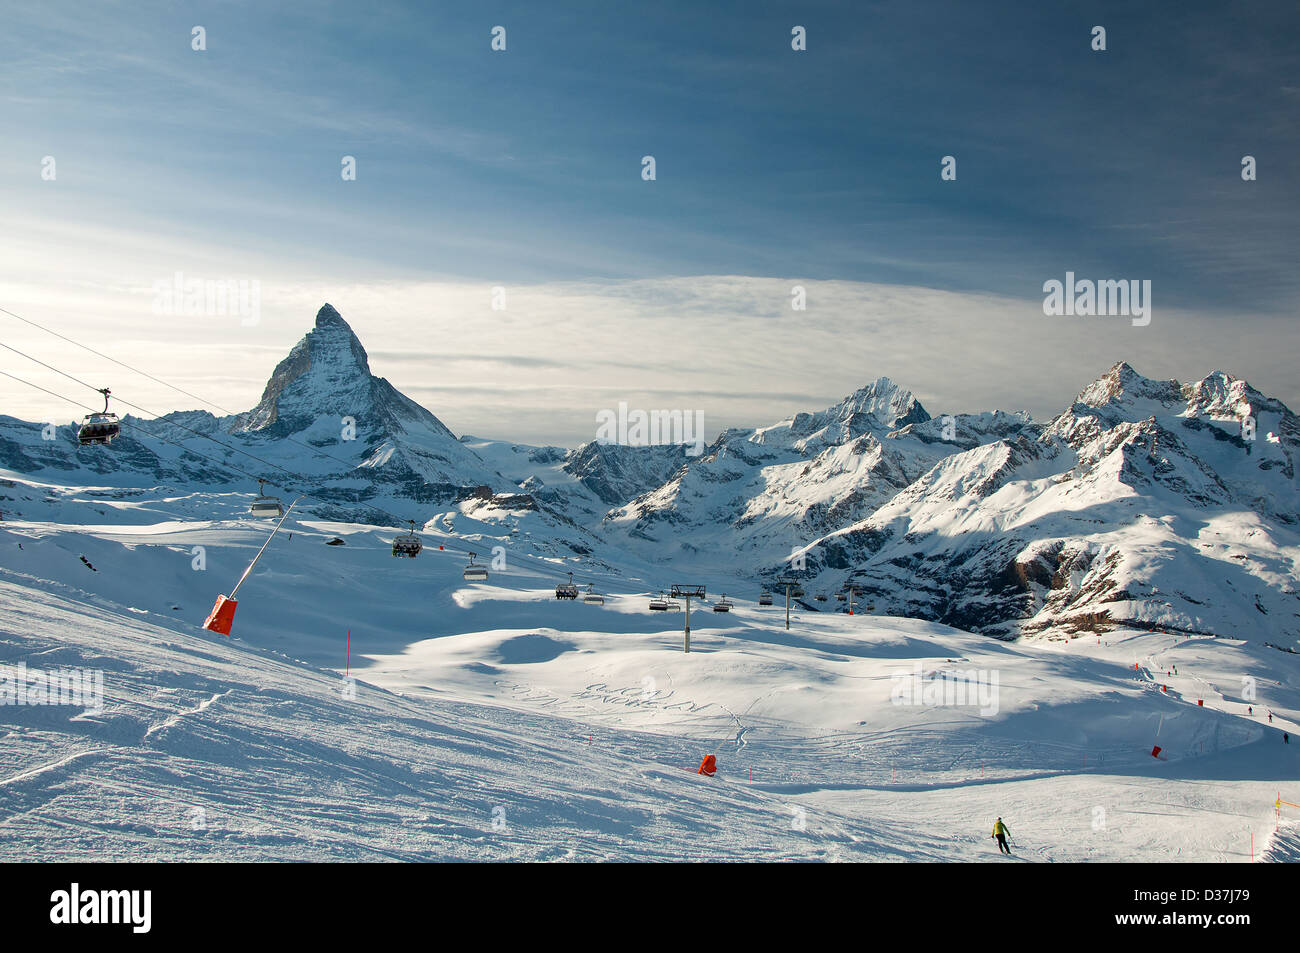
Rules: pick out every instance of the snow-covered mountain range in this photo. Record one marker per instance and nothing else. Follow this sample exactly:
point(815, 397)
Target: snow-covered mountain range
point(1145, 503)
point(1141, 504)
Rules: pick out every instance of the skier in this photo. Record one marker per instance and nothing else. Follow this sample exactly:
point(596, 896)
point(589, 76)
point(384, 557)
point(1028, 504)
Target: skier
point(1286, 739)
point(1250, 709)
point(1001, 832)
point(708, 766)
point(1270, 718)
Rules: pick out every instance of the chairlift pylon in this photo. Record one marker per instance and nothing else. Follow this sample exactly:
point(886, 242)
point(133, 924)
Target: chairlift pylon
point(101, 427)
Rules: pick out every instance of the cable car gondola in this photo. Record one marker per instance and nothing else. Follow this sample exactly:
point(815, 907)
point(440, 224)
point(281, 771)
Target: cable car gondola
point(593, 597)
point(99, 428)
point(264, 505)
point(566, 590)
point(475, 572)
point(408, 544)
point(722, 605)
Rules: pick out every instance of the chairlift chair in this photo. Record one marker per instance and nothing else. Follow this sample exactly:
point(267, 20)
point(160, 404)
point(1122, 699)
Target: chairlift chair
point(264, 504)
point(722, 605)
point(821, 597)
point(566, 590)
point(593, 597)
point(765, 598)
point(408, 544)
point(475, 572)
point(658, 603)
point(99, 428)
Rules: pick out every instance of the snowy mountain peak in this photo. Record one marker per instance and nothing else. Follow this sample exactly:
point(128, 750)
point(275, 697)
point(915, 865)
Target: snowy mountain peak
point(878, 408)
point(326, 373)
point(335, 347)
point(1123, 384)
point(324, 393)
point(333, 341)
point(1220, 394)
point(893, 406)
point(328, 316)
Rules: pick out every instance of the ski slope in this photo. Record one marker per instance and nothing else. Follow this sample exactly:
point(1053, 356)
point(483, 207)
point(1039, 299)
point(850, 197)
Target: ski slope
point(491, 722)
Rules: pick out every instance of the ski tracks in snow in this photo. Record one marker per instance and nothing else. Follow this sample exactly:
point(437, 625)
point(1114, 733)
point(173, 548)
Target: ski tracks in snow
point(173, 720)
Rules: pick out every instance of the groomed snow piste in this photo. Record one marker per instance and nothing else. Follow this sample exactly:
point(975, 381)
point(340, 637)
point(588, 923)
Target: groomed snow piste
point(490, 721)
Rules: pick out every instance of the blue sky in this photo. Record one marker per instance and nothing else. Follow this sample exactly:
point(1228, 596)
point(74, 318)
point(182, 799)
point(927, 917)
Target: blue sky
point(522, 168)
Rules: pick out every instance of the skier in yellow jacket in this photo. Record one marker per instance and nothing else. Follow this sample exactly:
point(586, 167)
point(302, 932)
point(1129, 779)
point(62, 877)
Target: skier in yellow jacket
point(1001, 832)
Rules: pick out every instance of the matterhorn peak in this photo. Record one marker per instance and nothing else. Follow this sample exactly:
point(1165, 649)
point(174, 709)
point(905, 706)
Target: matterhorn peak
point(326, 373)
point(324, 394)
point(334, 341)
point(328, 316)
